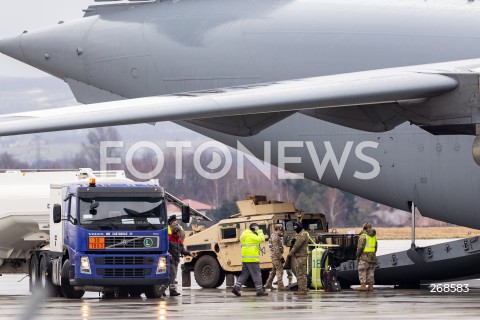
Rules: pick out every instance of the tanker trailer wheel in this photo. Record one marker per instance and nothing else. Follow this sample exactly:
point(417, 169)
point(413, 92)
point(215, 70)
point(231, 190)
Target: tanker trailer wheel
point(67, 289)
point(33, 272)
point(208, 272)
point(45, 279)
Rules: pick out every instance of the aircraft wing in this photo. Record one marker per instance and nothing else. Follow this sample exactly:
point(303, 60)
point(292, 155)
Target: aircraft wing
point(368, 88)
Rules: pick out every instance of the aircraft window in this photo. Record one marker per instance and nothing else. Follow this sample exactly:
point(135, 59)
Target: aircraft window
point(229, 233)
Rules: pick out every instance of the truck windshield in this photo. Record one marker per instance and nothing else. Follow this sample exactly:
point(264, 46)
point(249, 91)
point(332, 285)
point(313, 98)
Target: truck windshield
point(122, 214)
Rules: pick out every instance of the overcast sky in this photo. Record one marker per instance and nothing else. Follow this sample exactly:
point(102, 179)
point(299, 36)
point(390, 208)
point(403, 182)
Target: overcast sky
point(19, 15)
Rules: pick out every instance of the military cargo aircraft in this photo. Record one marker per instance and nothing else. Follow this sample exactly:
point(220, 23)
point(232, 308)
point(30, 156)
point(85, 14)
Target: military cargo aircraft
point(377, 98)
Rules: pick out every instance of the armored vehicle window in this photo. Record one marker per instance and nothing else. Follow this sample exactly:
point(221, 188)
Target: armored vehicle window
point(229, 233)
point(312, 224)
point(289, 225)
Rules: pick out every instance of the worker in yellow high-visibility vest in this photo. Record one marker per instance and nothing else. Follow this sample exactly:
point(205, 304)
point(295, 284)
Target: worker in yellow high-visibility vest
point(366, 257)
point(251, 239)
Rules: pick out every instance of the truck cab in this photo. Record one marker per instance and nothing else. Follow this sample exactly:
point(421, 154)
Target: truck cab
point(107, 235)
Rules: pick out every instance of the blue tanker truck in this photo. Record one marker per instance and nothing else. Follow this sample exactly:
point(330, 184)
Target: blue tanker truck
point(100, 232)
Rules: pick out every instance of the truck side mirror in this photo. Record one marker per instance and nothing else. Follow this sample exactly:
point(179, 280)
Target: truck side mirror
point(57, 213)
point(185, 213)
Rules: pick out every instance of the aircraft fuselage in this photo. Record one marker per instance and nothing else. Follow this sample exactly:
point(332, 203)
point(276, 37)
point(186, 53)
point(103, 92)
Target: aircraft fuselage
point(169, 47)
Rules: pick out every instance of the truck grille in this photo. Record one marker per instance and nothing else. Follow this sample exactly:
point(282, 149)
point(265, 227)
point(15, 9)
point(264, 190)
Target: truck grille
point(123, 261)
point(124, 273)
point(131, 242)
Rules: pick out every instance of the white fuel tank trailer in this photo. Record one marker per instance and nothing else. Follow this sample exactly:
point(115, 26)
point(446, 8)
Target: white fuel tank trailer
point(25, 212)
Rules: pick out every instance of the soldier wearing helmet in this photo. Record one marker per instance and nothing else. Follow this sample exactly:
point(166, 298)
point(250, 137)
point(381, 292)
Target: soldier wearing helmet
point(276, 254)
point(366, 257)
point(300, 252)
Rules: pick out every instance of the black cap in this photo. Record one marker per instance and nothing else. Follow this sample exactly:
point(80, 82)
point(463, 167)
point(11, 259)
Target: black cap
point(172, 218)
point(253, 226)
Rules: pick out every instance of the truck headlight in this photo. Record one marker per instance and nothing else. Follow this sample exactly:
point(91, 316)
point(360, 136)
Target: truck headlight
point(162, 265)
point(85, 265)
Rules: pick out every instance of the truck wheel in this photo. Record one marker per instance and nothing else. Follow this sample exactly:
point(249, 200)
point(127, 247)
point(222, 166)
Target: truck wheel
point(67, 289)
point(45, 279)
point(33, 272)
point(208, 272)
point(155, 292)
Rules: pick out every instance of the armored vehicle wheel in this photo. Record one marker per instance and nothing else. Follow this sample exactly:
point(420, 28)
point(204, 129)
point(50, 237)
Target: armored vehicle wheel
point(221, 279)
point(208, 272)
point(33, 271)
point(67, 289)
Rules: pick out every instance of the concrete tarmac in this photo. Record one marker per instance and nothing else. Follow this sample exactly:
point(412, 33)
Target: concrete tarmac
point(198, 304)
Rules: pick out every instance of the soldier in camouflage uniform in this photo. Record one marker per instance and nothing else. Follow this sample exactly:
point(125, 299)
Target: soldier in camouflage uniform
point(300, 252)
point(276, 254)
point(366, 257)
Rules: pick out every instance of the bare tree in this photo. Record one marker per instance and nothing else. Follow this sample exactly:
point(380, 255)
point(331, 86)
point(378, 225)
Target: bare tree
point(8, 161)
point(333, 205)
point(90, 153)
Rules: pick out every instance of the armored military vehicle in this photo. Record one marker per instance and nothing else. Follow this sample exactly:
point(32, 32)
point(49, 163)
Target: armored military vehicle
point(218, 248)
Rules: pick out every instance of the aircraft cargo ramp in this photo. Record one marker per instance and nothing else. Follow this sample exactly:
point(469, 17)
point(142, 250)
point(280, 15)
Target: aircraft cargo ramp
point(454, 260)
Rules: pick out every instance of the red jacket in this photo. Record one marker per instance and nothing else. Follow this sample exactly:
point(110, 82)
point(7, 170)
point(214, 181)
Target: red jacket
point(175, 248)
point(171, 238)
